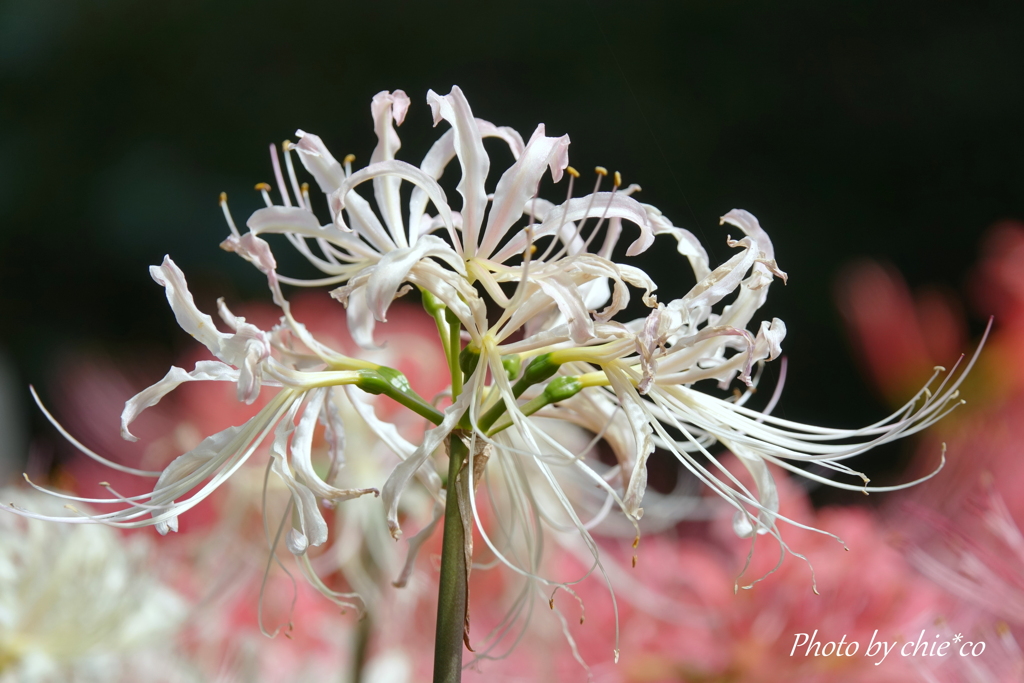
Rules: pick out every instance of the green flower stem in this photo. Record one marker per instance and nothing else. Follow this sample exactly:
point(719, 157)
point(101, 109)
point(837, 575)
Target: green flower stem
point(455, 348)
point(452, 591)
point(394, 385)
point(433, 306)
point(557, 390)
point(360, 647)
point(538, 370)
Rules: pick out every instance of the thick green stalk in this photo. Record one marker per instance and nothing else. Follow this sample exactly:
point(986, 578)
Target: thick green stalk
point(452, 591)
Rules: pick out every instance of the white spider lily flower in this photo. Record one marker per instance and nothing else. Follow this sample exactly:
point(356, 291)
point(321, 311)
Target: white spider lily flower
point(552, 347)
point(77, 603)
point(291, 415)
point(649, 372)
point(639, 375)
point(373, 258)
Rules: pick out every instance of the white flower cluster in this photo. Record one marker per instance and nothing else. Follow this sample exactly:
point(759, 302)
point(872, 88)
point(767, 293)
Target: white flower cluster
point(527, 296)
point(79, 604)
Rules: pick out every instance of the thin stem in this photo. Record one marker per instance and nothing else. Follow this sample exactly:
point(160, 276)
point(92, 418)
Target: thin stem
point(538, 370)
point(360, 647)
point(452, 592)
point(436, 310)
point(394, 385)
point(455, 348)
point(558, 389)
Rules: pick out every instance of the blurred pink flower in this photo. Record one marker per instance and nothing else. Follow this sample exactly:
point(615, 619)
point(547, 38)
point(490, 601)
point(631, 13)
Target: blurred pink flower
point(899, 337)
point(964, 538)
point(890, 331)
point(978, 558)
point(688, 615)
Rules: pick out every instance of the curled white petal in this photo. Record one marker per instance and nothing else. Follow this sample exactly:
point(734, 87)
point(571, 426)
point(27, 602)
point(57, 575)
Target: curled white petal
point(387, 108)
point(344, 197)
point(469, 147)
point(319, 161)
point(611, 205)
point(391, 271)
point(632, 405)
point(361, 322)
point(443, 151)
point(302, 453)
point(767, 494)
point(209, 454)
point(245, 349)
point(567, 297)
point(205, 371)
point(519, 184)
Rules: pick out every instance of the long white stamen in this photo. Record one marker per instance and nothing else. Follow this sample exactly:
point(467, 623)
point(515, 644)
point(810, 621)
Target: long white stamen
point(278, 176)
point(264, 190)
point(227, 214)
point(777, 394)
point(299, 194)
point(271, 559)
point(597, 228)
point(77, 444)
point(601, 172)
point(573, 175)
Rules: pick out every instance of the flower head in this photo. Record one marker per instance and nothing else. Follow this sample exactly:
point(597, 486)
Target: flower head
point(528, 297)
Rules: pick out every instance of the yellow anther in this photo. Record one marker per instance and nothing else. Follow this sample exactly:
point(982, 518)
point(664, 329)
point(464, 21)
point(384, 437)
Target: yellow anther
point(572, 171)
point(263, 187)
point(634, 561)
point(618, 179)
point(305, 188)
point(349, 158)
point(636, 542)
point(287, 145)
point(601, 171)
point(551, 603)
point(533, 249)
point(223, 197)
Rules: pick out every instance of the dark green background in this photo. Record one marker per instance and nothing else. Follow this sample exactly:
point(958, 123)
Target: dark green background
point(887, 129)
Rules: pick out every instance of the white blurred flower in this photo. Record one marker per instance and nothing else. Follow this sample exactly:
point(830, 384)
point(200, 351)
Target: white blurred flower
point(79, 603)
